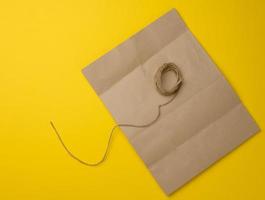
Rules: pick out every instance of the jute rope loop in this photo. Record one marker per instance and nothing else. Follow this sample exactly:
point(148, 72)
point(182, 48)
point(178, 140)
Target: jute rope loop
point(167, 67)
point(159, 86)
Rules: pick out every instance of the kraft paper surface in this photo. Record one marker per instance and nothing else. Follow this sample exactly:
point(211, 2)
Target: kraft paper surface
point(204, 122)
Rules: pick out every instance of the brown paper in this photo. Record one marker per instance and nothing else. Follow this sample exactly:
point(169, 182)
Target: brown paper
point(204, 122)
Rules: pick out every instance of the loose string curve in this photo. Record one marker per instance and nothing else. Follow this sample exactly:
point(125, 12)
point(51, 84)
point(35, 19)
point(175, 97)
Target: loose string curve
point(158, 78)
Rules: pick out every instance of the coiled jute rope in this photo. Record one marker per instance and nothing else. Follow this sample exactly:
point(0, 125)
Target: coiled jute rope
point(158, 79)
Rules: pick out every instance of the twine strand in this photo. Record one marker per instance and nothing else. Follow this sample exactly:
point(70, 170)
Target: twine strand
point(158, 78)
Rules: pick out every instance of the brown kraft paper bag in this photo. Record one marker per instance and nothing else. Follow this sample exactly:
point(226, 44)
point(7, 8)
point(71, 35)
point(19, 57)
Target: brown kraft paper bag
point(205, 121)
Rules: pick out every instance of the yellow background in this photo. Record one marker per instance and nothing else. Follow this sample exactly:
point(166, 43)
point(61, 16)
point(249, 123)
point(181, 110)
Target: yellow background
point(43, 47)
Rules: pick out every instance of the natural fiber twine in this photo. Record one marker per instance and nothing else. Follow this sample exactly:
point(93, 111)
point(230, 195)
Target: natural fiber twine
point(158, 79)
